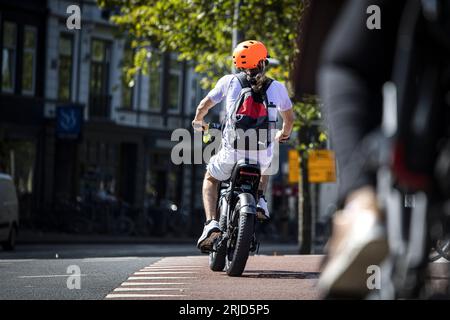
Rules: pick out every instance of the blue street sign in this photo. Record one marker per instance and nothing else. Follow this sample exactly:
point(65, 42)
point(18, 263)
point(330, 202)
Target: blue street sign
point(69, 119)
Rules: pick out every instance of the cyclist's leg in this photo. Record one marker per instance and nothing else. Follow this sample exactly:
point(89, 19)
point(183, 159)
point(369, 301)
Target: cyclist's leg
point(218, 169)
point(263, 183)
point(210, 186)
point(262, 207)
point(265, 158)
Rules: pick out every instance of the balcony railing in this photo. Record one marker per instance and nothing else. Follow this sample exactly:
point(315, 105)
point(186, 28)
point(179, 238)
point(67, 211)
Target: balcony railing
point(100, 106)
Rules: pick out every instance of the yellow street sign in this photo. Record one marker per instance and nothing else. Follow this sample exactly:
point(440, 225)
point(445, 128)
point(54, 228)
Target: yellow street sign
point(321, 166)
point(294, 166)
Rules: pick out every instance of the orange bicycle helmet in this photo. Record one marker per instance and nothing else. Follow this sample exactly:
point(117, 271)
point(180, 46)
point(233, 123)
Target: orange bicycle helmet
point(248, 54)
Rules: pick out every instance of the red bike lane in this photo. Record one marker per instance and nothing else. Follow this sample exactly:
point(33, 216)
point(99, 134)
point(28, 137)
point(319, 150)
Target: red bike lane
point(287, 277)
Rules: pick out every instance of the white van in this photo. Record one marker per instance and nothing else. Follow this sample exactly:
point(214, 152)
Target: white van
point(9, 212)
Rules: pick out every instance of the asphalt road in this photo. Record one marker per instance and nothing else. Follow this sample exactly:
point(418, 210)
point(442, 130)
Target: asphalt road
point(160, 271)
point(43, 271)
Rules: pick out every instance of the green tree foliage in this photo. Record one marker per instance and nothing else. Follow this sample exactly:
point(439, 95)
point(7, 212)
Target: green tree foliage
point(201, 31)
point(308, 124)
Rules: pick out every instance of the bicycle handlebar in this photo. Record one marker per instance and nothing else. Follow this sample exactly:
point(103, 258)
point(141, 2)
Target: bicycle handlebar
point(218, 126)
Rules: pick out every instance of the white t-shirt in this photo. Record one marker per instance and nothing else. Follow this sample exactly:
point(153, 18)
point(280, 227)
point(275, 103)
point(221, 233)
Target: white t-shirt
point(229, 87)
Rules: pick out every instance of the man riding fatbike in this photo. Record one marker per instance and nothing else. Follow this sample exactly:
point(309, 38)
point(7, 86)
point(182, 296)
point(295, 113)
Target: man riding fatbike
point(253, 113)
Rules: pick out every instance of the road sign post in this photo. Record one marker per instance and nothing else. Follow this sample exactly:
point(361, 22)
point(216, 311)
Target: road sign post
point(320, 167)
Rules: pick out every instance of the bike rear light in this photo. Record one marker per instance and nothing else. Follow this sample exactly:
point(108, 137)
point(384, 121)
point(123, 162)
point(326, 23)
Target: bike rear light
point(246, 173)
point(406, 177)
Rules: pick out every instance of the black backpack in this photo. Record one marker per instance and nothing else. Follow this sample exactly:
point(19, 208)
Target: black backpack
point(247, 126)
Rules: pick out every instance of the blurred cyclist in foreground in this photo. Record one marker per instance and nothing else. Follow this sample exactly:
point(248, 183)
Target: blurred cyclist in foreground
point(356, 62)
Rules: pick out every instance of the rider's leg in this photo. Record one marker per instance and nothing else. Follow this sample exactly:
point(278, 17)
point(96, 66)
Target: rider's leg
point(210, 186)
point(262, 203)
point(263, 184)
point(211, 230)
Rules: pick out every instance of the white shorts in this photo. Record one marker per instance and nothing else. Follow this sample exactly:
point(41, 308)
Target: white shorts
point(221, 164)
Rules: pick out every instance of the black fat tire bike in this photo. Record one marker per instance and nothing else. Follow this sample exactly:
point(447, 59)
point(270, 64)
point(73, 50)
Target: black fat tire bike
point(237, 209)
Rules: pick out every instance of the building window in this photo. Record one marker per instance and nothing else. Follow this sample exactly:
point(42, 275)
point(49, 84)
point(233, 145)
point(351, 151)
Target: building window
point(99, 105)
point(9, 56)
point(29, 60)
point(162, 181)
point(155, 82)
point(197, 93)
point(100, 67)
point(65, 67)
point(175, 82)
point(127, 86)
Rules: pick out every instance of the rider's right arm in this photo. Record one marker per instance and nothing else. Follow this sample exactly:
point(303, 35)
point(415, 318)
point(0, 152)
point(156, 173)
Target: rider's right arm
point(220, 90)
point(203, 108)
point(215, 96)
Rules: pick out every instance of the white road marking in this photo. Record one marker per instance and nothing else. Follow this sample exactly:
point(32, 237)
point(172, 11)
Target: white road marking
point(109, 259)
point(158, 278)
point(149, 289)
point(173, 267)
point(153, 283)
point(177, 260)
point(164, 272)
point(139, 295)
point(16, 260)
point(50, 276)
point(167, 270)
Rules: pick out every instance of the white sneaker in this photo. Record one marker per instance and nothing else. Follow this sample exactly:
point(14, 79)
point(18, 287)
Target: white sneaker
point(358, 242)
point(211, 232)
point(262, 211)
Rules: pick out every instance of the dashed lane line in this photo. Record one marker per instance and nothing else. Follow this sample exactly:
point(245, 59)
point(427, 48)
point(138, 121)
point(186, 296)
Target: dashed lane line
point(141, 295)
point(154, 283)
point(156, 278)
point(149, 289)
point(49, 276)
point(163, 272)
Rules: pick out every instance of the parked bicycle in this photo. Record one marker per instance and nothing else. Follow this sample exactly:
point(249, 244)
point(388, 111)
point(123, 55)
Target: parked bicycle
point(89, 217)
